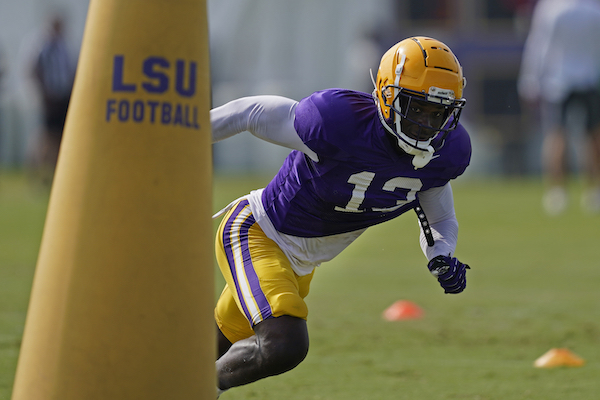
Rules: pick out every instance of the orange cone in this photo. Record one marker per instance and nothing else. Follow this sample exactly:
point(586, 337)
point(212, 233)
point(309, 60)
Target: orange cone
point(559, 358)
point(402, 309)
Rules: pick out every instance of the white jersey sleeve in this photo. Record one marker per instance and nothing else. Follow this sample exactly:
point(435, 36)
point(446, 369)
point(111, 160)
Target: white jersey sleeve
point(438, 206)
point(270, 118)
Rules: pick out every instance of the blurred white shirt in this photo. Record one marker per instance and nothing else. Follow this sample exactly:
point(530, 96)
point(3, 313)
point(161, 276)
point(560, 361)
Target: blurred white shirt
point(562, 51)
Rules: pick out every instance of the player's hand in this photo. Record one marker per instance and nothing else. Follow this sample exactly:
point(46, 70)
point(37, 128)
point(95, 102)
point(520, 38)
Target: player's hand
point(450, 273)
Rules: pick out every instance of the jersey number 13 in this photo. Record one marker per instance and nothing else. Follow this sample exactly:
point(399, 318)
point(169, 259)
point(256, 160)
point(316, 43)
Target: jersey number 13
point(362, 181)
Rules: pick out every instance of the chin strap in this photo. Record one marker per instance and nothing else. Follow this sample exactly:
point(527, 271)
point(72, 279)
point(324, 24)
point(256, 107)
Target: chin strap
point(422, 159)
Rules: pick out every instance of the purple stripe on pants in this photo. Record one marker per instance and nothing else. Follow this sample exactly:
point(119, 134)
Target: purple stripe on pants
point(239, 237)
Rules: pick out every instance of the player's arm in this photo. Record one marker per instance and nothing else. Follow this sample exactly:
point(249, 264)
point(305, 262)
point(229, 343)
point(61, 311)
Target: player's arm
point(270, 118)
point(438, 206)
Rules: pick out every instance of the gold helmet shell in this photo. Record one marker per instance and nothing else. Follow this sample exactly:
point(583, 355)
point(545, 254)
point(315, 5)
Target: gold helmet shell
point(420, 64)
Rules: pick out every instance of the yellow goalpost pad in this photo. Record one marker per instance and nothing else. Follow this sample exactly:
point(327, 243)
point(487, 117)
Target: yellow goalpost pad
point(122, 299)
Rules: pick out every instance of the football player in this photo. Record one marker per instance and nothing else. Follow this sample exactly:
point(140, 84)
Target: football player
point(357, 160)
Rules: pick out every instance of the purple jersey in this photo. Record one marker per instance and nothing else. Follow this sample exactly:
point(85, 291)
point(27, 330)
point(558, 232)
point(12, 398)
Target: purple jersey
point(362, 178)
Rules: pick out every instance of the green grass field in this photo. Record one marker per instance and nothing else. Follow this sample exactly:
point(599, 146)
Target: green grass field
point(534, 285)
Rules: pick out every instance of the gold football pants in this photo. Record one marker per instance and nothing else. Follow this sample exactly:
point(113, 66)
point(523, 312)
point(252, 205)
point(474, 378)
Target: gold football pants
point(260, 281)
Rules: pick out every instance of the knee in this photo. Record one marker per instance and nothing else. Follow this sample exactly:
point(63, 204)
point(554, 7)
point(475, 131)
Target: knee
point(283, 344)
point(283, 355)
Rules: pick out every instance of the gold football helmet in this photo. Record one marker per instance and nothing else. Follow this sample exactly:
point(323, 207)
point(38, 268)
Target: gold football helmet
point(418, 92)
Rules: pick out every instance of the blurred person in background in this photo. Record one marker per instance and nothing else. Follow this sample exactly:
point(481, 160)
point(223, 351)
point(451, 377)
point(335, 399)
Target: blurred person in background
point(53, 71)
point(357, 160)
point(560, 72)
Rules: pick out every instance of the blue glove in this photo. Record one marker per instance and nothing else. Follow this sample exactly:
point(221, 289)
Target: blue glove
point(450, 273)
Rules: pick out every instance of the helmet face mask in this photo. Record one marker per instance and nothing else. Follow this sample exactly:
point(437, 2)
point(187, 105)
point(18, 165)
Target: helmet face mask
point(419, 93)
point(423, 117)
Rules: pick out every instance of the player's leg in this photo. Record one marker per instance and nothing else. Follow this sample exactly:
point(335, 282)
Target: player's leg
point(591, 196)
point(594, 174)
point(554, 161)
point(275, 345)
point(223, 344)
point(280, 344)
point(238, 326)
point(261, 311)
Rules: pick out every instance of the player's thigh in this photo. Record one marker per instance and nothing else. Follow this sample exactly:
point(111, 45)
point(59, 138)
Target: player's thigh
point(259, 276)
point(230, 320)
